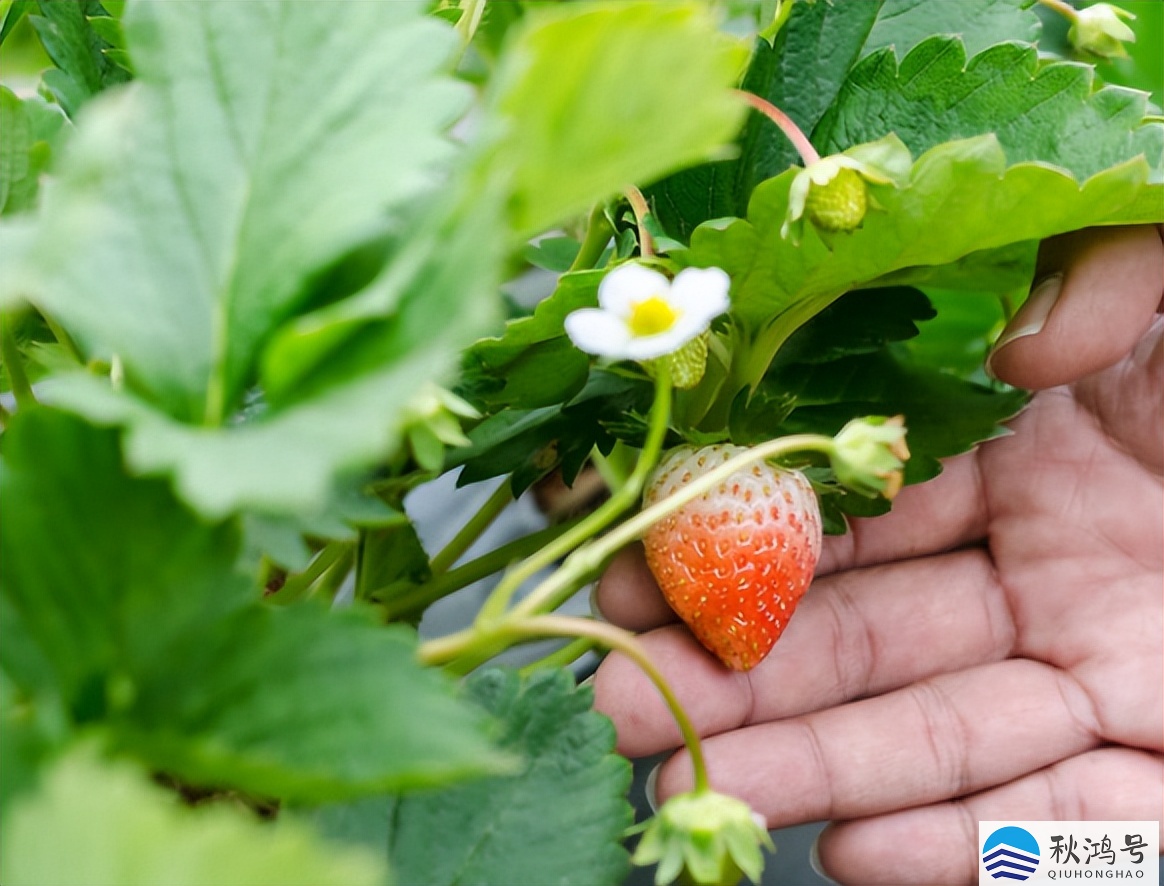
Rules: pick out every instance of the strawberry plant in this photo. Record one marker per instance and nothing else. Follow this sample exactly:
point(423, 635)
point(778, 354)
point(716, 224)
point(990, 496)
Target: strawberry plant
point(252, 265)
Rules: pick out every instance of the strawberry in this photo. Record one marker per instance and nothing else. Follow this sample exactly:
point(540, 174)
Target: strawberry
point(734, 563)
point(840, 204)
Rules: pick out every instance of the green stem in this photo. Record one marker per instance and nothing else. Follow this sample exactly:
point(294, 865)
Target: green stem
point(560, 658)
point(611, 474)
point(298, 586)
point(471, 531)
point(435, 652)
point(783, 10)
point(619, 501)
point(329, 584)
point(418, 598)
point(641, 210)
point(799, 140)
point(14, 362)
point(1064, 9)
point(64, 339)
point(466, 25)
point(598, 233)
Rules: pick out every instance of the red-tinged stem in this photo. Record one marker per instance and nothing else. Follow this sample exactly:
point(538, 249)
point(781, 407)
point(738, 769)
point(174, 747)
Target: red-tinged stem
point(1066, 10)
point(641, 210)
point(799, 140)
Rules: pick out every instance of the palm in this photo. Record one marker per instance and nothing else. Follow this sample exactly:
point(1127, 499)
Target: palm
point(989, 650)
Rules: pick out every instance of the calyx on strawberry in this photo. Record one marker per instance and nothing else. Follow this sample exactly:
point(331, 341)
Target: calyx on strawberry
point(734, 563)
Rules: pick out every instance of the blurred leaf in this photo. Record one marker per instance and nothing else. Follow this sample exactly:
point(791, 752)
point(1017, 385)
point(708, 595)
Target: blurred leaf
point(299, 704)
point(149, 629)
point(30, 128)
point(979, 24)
point(824, 38)
point(559, 820)
point(78, 51)
point(194, 207)
point(140, 572)
point(105, 824)
point(583, 121)
point(552, 253)
point(1046, 113)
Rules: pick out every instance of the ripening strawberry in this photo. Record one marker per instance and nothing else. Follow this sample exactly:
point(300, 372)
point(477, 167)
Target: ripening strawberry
point(734, 563)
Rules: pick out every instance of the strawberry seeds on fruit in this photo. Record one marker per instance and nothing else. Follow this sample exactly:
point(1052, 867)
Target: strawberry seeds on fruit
point(734, 563)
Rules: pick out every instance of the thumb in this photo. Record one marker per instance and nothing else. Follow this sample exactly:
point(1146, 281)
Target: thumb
point(1096, 294)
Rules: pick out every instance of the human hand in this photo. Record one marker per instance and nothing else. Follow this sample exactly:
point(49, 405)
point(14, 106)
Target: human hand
point(992, 648)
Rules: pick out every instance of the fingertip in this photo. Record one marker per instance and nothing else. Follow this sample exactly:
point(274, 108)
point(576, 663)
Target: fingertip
point(1096, 296)
point(628, 596)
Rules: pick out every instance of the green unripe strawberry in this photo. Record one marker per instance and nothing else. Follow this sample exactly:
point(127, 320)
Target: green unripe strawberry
point(839, 205)
point(687, 364)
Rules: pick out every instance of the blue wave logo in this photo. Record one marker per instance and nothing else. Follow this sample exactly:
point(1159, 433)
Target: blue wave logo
point(1011, 853)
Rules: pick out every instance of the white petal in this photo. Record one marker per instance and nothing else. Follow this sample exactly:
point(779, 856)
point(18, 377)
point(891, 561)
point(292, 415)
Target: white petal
point(628, 284)
point(701, 293)
point(648, 347)
point(598, 332)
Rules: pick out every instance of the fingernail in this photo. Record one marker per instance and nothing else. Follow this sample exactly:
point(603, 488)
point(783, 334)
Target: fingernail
point(588, 682)
point(1031, 318)
point(651, 787)
point(814, 861)
point(594, 610)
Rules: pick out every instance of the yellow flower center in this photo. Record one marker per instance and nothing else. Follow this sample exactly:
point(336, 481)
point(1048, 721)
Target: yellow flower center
point(652, 316)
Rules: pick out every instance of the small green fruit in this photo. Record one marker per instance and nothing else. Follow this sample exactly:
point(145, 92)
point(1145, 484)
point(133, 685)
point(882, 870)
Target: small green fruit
point(687, 364)
point(839, 205)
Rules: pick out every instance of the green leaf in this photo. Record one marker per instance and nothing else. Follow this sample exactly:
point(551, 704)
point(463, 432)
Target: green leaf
point(979, 24)
point(77, 50)
point(961, 335)
point(960, 198)
point(582, 119)
point(24, 742)
point(105, 824)
point(194, 207)
point(1046, 113)
point(859, 322)
point(944, 414)
point(824, 38)
point(533, 363)
point(140, 571)
point(149, 629)
point(30, 127)
point(558, 820)
point(299, 704)
point(11, 12)
point(529, 443)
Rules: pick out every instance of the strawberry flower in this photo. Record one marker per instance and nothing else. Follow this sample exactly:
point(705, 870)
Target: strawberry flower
point(643, 316)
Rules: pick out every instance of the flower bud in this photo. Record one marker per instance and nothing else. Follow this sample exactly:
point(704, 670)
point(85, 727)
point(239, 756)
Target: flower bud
point(1099, 30)
point(706, 838)
point(869, 454)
